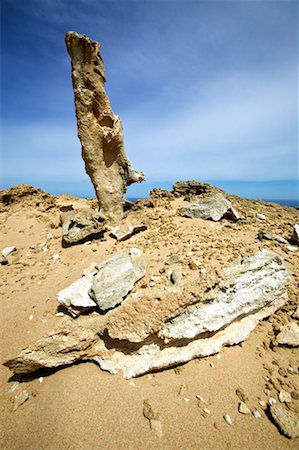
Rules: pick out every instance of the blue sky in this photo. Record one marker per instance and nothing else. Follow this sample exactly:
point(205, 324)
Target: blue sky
point(206, 90)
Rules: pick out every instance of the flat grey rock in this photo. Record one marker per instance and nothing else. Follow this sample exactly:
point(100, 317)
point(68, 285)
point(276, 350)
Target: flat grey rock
point(213, 208)
point(115, 279)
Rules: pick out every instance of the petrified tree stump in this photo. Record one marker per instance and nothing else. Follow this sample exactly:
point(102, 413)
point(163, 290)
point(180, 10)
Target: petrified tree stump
point(99, 129)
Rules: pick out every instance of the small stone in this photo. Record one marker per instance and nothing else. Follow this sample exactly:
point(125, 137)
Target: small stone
point(212, 365)
point(257, 414)
point(155, 278)
point(136, 295)
point(228, 419)
point(59, 314)
point(55, 257)
point(203, 270)
point(49, 236)
point(3, 261)
point(284, 397)
point(262, 403)
point(193, 266)
point(272, 401)
point(41, 379)
point(292, 249)
point(207, 411)
point(122, 234)
point(21, 398)
point(295, 395)
point(261, 216)
point(7, 250)
point(287, 421)
point(289, 335)
point(243, 408)
point(30, 317)
point(176, 276)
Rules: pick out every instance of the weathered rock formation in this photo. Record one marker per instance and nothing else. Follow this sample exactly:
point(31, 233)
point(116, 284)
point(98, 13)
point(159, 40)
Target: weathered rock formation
point(212, 208)
point(80, 224)
point(105, 286)
point(149, 334)
point(99, 129)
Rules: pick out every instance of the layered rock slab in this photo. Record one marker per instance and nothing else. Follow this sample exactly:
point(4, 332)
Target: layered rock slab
point(81, 224)
point(106, 286)
point(254, 287)
point(100, 131)
point(213, 208)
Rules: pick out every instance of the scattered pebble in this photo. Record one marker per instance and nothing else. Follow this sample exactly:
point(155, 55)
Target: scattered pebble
point(212, 365)
point(41, 379)
point(272, 401)
point(7, 250)
point(228, 419)
point(59, 314)
point(155, 278)
point(284, 397)
point(257, 414)
point(30, 317)
point(261, 216)
point(292, 249)
point(295, 314)
point(243, 408)
point(49, 236)
point(262, 403)
point(55, 257)
point(207, 411)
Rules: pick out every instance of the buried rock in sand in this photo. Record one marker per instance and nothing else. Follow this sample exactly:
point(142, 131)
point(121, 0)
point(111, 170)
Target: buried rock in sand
point(170, 333)
point(80, 224)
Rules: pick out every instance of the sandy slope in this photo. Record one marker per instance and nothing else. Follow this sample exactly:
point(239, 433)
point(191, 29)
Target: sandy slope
point(81, 407)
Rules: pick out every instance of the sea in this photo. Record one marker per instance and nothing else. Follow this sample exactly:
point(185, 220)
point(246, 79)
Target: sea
point(290, 203)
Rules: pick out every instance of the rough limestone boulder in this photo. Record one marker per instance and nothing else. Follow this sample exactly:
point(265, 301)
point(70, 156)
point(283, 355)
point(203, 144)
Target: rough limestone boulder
point(81, 224)
point(295, 237)
point(183, 326)
point(211, 208)
point(99, 129)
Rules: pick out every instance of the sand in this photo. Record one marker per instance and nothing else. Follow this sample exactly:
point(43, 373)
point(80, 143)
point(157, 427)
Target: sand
point(82, 407)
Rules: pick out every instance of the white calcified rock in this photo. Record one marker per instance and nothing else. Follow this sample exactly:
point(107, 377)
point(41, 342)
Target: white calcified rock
point(86, 339)
point(125, 232)
point(272, 237)
point(212, 208)
point(261, 216)
point(249, 285)
point(7, 250)
point(76, 294)
point(289, 335)
point(115, 279)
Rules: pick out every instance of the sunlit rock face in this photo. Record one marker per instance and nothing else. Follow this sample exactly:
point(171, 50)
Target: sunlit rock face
point(99, 129)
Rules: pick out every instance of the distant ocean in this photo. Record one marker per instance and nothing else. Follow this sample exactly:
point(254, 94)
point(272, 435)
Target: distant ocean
point(290, 203)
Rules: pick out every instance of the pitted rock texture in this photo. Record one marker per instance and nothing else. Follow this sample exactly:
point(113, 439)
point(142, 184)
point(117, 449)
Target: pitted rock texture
point(99, 129)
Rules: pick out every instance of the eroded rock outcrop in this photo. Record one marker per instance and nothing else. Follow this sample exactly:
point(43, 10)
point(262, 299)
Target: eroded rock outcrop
point(99, 129)
point(81, 224)
point(140, 335)
point(214, 208)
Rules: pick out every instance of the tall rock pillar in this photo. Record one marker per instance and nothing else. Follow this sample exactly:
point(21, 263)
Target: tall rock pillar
point(99, 129)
